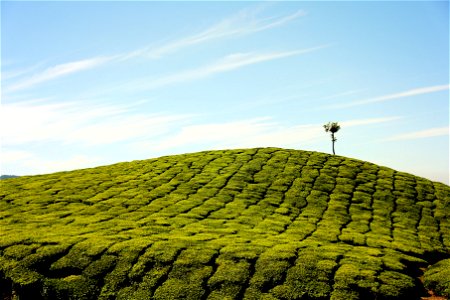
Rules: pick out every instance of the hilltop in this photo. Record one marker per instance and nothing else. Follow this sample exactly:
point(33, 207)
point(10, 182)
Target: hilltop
point(262, 223)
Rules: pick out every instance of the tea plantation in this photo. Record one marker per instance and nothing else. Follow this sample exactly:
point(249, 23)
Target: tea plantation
point(262, 223)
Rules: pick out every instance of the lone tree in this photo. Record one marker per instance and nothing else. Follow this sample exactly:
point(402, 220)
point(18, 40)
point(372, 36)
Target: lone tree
point(332, 127)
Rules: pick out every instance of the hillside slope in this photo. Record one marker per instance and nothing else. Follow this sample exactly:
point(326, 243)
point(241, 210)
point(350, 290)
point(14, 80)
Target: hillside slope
point(261, 223)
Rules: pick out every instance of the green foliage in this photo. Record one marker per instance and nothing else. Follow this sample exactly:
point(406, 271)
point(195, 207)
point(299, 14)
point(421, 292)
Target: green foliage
point(262, 223)
point(73, 287)
point(396, 285)
point(308, 277)
point(437, 278)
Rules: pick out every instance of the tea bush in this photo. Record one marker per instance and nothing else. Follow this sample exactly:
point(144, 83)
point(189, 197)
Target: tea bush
point(262, 223)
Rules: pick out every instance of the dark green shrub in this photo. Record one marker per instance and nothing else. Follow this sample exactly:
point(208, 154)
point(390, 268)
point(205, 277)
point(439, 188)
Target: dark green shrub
point(72, 287)
point(437, 278)
point(395, 285)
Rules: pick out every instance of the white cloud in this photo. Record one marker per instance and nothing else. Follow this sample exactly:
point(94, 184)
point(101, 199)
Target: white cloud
point(32, 122)
point(285, 137)
point(14, 156)
point(57, 71)
point(78, 123)
point(37, 165)
point(10, 74)
point(214, 134)
point(123, 129)
point(409, 93)
point(427, 133)
point(359, 122)
point(258, 132)
point(243, 23)
point(71, 163)
point(238, 60)
point(226, 64)
point(150, 134)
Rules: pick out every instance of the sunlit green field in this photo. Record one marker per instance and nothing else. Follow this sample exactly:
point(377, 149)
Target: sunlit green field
point(238, 224)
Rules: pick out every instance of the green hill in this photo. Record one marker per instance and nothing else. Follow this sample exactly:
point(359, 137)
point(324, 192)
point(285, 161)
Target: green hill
point(260, 223)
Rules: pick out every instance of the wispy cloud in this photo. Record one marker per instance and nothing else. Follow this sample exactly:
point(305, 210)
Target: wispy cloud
point(71, 123)
point(405, 94)
point(213, 134)
point(45, 166)
point(226, 64)
point(153, 134)
point(124, 128)
point(255, 132)
point(427, 133)
point(11, 74)
point(8, 156)
point(33, 164)
point(243, 23)
point(57, 72)
point(368, 121)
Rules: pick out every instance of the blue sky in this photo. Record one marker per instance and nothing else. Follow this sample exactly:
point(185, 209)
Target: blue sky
point(93, 83)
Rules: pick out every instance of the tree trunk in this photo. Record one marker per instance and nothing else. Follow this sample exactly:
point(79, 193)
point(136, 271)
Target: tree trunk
point(333, 140)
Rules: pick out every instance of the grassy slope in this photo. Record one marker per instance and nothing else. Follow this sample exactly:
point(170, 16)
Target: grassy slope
point(254, 224)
